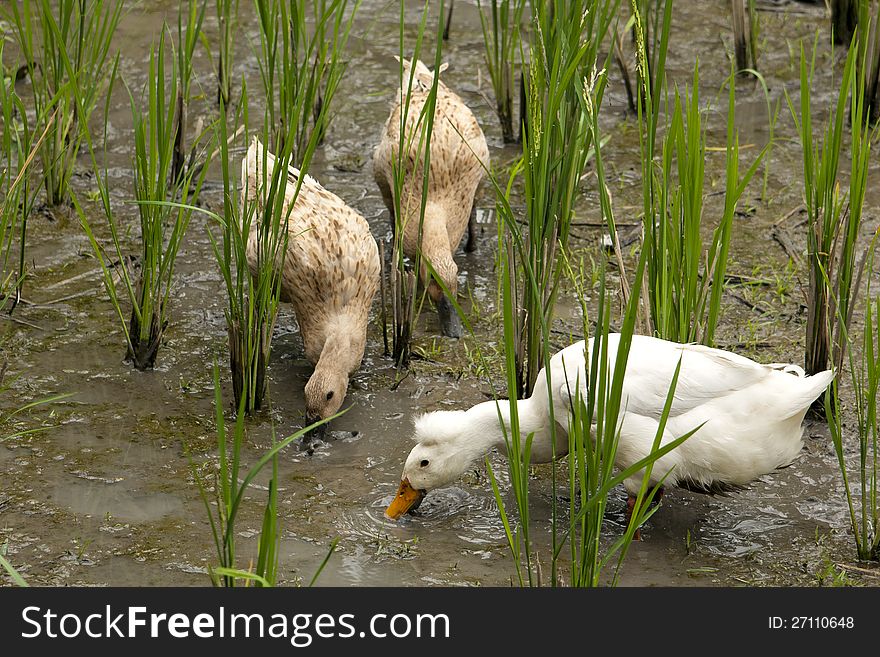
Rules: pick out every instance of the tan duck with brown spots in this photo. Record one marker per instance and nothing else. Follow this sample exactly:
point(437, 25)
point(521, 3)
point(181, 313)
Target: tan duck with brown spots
point(458, 154)
point(330, 276)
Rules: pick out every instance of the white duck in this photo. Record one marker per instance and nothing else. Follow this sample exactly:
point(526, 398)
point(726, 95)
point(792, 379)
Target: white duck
point(330, 275)
point(459, 154)
point(751, 417)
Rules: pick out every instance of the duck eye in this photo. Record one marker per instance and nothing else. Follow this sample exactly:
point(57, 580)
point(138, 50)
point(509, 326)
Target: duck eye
point(329, 395)
point(424, 463)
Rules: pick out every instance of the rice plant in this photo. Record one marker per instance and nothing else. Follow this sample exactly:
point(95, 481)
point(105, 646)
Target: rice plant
point(651, 24)
point(405, 300)
point(864, 370)
point(685, 279)
point(593, 418)
point(231, 484)
point(189, 30)
point(833, 217)
point(556, 142)
point(162, 204)
point(501, 38)
point(66, 49)
point(252, 299)
point(17, 194)
point(301, 65)
point(227, 21)
point(257, 215)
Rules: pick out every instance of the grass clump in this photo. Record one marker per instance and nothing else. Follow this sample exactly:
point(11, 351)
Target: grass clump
point(414, 137)
point(66, 50)
point(227, 22)
point(864, 370)
point(301, 65)
point(556, 142)
point(162, 203)
point(260, 215)
point(501, 38)
point(231, 483)
point(17, 194)
point(834, 217)
point(592, 416)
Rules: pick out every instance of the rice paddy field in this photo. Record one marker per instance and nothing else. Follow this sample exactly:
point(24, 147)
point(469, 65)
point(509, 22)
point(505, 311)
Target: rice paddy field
point(104, 485)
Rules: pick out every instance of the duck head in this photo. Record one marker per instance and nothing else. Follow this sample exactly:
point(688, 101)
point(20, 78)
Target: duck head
point(324, 393)
point(446, 447)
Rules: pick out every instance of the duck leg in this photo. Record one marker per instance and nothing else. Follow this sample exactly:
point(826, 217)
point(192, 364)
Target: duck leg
point(630, 505)
point(471, 245)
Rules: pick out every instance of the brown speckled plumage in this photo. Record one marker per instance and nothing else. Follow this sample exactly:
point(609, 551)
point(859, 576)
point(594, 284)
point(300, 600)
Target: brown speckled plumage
point(330, 276)
point(457, 148)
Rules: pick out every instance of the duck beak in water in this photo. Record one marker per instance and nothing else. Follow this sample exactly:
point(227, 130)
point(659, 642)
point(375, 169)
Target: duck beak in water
point(316, 435)
point(450, 324)
point(407, 499)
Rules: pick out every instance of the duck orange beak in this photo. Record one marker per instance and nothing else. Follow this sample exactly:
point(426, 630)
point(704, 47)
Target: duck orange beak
point(407, 499)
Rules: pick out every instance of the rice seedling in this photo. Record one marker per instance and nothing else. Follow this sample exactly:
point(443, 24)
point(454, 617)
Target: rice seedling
point(261, 213)
point(685, 277)
point(16, 193)
point(864, 370)
point(501, 38)
point(556, 143)
point(189, 29)
point(163, 209)
point(833, 217)
point(66, 50)
point(231, 483)
point(301, 67)
point(227, 21)
point(651, 23)
point(593, 418)
point(252, 299)
point(405, 300)
point(685, 280)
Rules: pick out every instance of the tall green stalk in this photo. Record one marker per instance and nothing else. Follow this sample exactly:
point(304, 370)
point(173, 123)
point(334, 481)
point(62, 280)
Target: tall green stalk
point(17, 194)
point(301, 64)
point(833, 216)
point(260, 214)
point(404, 283)
point(501, 38)
point(227, 21)
point(189, 30)
point(593, 417)
point(163, 209)
point(66, 49)
point(231, 484)
point(685, 278)
point(556, 140)
point(864, 370)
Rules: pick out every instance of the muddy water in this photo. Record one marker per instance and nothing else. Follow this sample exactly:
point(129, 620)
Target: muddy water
point(105, 494)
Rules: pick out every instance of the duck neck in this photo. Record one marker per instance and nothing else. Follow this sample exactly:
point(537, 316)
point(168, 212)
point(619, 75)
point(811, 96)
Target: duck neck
point(489, 422)
point(339, 353)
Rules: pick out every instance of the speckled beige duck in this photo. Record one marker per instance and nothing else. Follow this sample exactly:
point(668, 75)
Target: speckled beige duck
point(458, 147)
point(330, 276)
